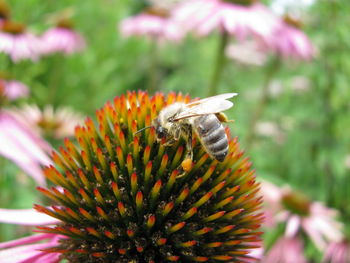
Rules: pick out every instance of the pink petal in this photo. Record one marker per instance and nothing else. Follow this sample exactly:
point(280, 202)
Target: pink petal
point(26, 240)
point(286, 250)
point(314, 234)
point(293, 225)
point(23, 147)
point(24, 251)
point(15, 89)
point(25, 217)
point(63, 40)
point(28, 253)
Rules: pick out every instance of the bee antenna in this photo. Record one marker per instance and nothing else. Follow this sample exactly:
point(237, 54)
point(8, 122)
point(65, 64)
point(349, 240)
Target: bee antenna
point(143, 129)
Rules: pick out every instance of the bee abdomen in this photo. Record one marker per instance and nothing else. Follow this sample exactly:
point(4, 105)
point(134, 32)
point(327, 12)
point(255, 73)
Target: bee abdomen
point(212, 135)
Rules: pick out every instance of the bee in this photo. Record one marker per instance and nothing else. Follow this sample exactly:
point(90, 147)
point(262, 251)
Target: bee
point(204, 117)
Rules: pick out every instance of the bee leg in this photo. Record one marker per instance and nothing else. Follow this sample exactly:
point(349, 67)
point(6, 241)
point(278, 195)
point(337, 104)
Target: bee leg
point(186, 164)
point(222, 117)
point(170, 142)
point(189, 154)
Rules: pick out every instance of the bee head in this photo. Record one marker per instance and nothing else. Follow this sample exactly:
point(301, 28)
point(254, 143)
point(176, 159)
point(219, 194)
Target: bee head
point(160, 130)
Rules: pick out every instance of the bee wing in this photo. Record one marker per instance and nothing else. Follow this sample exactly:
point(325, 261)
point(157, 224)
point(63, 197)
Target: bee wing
point(206, 106)
point(223, 96)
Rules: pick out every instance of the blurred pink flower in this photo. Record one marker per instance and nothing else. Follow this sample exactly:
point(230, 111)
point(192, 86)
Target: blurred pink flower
point(286, 250)
point(155, 25)
point(247, 53)
point(337, 252)
point(62, 39)
point(22, 146)
point(300, 214)
point(255, 254)
point(271, 32)
point(319, 223)
point(13, 89)
point(272, 195)
point(17, 43)
point(270, 129)
point(57, 123)
point(300, 84)
point(289, 41)
point(205, 16)
point(27, 217)
point(30, 249)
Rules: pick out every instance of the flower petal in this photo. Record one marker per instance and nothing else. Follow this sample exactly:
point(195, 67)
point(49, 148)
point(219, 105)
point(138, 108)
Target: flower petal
point(23, 147)
point(23, 251)
point(25, 217)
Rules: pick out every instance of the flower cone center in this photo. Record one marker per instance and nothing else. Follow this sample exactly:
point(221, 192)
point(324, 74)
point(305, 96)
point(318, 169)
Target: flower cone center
point(4, 10)
point(292, 21)
point(296, 203)
point(65, 23)
point(13, 27)
point(243, 2)
point(49, 126)
point(157, 11)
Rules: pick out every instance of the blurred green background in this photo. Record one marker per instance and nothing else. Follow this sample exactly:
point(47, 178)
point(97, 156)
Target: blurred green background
point(304, 139)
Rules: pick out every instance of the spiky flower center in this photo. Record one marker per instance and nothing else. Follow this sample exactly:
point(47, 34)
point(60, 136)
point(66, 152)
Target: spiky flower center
point(65, 23)
point(49, 126)
point(4, 10)
point(120, 199)
point(292, 21)
point(243, 2)
point(157, 11)
point(297, 203)
point(13, 27)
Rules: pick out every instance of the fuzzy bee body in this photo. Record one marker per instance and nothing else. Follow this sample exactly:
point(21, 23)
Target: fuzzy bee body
point(212, 135)
point(180, 119)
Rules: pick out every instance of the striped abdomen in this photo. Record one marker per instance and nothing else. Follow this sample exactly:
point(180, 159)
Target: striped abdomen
point(212, 135)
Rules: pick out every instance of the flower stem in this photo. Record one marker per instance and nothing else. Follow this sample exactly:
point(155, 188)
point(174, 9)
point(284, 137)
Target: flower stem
point(55, 79)
point(262, 102)
point(219, 64)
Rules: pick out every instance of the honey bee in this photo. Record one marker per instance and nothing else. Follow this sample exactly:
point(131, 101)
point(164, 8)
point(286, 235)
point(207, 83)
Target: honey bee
point(204, 117)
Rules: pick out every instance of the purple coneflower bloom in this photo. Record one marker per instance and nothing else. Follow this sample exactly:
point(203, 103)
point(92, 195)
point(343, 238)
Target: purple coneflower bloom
point(13, 89)
point(205, 16)
point(337, 252)
point(318, 222)
point(247, 53)
point(26, 217)
point(243, 21)
point(22, 146)
point(300, 214)
point(57, 123)
point(154, 23)
point(62, 38)
point(28, 249)
point(286, 250)
point(17, 43)
point(290, 41)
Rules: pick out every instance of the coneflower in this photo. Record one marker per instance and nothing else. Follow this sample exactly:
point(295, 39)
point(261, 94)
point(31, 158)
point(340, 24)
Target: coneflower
point(18, 43)
point(119, 196)
point(62, 38)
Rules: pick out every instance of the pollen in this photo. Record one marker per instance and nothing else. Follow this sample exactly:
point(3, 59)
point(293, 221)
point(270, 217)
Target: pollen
point(186, 165)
